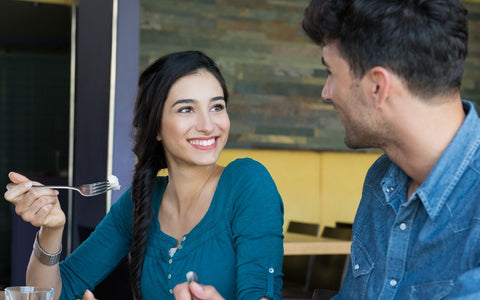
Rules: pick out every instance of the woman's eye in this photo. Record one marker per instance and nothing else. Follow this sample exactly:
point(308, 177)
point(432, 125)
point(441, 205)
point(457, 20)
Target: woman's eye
point(185, 110)
point(218, 107)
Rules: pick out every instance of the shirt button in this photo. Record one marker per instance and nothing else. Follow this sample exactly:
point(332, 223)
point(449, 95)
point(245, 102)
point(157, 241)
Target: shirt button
point(393, 282)
point(271, 270)
point(356, 267)
point(390, 189)
point(170, 291)
point(180, 247)
point(169, 276)
point(403, 226)
point(184, 238)
point(170, 261)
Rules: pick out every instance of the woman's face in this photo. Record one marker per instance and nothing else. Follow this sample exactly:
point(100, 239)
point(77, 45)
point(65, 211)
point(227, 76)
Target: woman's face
point(195, 123)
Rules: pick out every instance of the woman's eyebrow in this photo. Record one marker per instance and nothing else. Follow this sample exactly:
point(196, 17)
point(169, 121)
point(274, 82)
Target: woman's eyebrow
point(183, 101)
point(188, 101)
point(218, 98)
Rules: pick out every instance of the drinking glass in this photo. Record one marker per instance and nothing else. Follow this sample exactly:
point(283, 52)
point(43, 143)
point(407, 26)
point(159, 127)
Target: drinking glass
point(28, 293)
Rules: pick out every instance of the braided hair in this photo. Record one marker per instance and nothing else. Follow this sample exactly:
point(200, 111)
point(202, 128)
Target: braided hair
point(153, 87)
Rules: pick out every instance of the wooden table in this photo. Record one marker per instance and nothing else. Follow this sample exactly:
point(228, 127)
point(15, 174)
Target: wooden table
point(2, 295)
point(301, 244)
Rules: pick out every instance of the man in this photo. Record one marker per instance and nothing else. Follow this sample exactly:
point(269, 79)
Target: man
point(395, 69)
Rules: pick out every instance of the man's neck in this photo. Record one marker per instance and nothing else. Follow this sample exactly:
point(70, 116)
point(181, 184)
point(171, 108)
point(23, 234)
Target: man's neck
point(424, 132)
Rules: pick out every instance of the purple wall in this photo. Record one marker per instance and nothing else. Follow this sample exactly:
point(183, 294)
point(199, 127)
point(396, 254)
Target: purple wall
point(91, 118)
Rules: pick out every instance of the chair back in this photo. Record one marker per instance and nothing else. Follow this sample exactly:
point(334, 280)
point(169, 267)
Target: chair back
point(341, 233)
point(297, 269)
point(303, 228)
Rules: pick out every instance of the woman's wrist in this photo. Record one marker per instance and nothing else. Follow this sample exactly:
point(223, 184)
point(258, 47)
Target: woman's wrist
point(50, 239)
point(43, 256)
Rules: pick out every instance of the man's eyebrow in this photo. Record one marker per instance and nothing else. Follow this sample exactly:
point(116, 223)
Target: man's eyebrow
point(324, 62)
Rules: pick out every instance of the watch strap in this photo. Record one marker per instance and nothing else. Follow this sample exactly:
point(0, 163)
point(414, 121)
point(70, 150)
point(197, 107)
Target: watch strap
point(43, 256)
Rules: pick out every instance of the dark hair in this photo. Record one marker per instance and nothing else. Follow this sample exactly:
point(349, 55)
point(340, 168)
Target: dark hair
point(423, 41)
point(153, 87)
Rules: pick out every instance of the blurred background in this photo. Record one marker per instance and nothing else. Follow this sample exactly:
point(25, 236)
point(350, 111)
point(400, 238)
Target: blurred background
point(68, 72)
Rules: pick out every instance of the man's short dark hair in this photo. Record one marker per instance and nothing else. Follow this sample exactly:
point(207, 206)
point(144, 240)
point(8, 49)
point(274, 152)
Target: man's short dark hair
point(424, 42)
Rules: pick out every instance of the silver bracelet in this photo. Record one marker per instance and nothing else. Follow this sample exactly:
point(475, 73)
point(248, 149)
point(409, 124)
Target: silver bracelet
point(43, 256)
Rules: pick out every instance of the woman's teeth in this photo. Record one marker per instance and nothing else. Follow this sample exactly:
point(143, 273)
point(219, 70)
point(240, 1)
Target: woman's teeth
point(203, 142)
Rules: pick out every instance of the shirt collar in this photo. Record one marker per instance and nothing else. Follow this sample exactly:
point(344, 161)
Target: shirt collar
point(448, 170)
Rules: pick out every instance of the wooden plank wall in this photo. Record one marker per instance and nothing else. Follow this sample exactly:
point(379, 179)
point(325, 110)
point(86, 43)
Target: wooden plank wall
point(273, 71)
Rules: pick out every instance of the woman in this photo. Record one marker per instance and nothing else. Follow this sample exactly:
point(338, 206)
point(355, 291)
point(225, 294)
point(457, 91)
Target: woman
point(223, 223)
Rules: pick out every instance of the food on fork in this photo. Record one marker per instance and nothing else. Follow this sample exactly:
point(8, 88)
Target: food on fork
point(113, 181)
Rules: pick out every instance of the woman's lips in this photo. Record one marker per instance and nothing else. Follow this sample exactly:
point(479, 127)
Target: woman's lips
point(208, 143)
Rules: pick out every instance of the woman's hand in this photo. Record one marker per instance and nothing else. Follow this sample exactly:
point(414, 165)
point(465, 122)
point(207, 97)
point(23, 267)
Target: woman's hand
point(195, 291)
point(39, 207)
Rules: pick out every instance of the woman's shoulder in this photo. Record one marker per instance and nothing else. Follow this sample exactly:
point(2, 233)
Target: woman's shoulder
point(246, 171)
point(246, 164)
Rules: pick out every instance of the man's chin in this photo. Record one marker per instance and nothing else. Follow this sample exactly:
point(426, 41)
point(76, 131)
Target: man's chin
point(358, 146)
point(355, 145)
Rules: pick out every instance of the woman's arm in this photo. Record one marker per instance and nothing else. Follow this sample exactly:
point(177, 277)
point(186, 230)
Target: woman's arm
point(40, 274)
point(257, 228)
point(41, 208)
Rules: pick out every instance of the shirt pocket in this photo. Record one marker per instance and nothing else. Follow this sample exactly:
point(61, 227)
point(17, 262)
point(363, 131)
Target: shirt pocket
point(435, 290)
point(362, 263)
point(355, 284)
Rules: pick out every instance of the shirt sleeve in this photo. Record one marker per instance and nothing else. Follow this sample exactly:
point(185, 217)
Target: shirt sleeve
point(257, 229)
point(95, 258)
point(467, 286)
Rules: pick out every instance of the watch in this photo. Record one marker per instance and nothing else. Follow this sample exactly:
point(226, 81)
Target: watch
point(43, 256)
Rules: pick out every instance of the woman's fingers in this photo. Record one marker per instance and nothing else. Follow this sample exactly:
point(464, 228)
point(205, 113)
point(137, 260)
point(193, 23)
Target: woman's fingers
point(40, 207)
point(17, 177)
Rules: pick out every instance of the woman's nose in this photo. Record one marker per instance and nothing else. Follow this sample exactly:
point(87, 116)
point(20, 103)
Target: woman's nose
point(205, 122)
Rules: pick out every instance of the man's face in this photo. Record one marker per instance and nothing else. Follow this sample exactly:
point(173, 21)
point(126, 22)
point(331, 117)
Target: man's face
point(348, 96)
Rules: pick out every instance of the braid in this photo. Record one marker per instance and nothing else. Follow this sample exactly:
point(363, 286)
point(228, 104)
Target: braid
point(142, 186)
point(141, 195)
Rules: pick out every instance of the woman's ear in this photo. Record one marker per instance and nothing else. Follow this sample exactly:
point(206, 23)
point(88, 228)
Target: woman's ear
point(380, 85)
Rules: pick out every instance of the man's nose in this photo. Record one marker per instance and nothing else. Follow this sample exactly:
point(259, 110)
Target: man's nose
point(326, 95)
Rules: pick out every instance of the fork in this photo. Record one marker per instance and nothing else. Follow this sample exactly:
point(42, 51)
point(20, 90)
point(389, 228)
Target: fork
point(87, 190)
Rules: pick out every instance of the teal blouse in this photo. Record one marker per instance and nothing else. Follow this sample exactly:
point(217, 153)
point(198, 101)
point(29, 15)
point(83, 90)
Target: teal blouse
point(237, 246)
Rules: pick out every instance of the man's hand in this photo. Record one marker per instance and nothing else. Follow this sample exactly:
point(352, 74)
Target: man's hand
point(195, 291)
point(88, 296)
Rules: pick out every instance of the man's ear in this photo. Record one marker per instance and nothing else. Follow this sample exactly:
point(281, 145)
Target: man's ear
point(379, 81)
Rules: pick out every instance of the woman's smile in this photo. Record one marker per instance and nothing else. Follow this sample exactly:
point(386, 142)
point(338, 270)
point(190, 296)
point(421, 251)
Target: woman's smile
point(204, 143)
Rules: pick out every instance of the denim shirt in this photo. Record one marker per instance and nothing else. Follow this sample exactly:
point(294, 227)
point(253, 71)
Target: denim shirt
point(429, 246)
